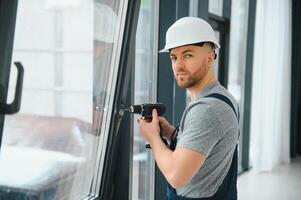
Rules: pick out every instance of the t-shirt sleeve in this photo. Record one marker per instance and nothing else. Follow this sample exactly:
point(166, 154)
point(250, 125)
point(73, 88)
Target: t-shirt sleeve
point(201, 130)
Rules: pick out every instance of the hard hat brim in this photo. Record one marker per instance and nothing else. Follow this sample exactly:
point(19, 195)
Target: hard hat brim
point(166, 49)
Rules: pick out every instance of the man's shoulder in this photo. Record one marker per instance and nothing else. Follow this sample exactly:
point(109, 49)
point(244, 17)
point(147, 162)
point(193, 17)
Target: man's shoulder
point(211, 107)
point(199, 107)
point(220, 104)
point(203, 112)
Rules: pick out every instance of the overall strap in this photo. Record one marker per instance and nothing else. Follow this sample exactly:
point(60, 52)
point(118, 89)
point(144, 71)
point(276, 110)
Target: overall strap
point(224, 99)
point(227, 101)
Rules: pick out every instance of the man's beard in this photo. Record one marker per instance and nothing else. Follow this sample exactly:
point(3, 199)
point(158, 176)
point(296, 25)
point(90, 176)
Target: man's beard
point(189, 80)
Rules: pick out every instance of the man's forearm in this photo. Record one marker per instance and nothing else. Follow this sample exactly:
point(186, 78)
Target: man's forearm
point(164, 158)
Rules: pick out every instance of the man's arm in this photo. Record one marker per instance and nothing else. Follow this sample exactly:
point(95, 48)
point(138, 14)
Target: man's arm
point(177, 166)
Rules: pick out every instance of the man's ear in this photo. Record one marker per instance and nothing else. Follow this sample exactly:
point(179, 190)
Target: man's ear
point(211, 57)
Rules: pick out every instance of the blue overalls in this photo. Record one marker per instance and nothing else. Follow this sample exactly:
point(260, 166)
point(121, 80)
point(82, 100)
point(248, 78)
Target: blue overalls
point(227, 190)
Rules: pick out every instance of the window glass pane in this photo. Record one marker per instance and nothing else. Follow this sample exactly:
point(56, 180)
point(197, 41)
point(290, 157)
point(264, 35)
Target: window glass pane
point(145, 92)
point(237, 55)
point(216, 7)
point(51, 149)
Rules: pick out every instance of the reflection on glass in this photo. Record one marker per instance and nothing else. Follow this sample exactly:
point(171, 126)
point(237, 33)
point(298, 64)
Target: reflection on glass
point(50, 147)
point(105, 21)
point(145, 80)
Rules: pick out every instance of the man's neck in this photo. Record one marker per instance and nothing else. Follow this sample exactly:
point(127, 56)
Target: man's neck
point(197, 89)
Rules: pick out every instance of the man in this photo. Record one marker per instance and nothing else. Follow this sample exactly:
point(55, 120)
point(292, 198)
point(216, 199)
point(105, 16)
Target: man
point(201, 162)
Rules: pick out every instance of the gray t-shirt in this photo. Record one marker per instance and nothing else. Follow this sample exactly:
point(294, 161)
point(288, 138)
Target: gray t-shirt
point(210, 127)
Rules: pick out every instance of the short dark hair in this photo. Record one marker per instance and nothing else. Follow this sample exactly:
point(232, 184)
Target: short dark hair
point(211, 44)
point(200, 44)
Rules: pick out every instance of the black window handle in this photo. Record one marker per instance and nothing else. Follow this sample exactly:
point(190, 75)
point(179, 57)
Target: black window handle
point(14, 107)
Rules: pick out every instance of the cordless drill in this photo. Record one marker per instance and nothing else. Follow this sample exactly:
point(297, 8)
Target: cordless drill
point(145, 110)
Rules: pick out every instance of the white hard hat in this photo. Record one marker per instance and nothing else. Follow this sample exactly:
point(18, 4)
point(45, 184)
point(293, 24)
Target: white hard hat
point(189, 30)
point(105, 22)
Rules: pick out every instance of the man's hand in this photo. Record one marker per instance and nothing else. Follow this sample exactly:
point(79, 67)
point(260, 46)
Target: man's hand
point(177, 166)
point(150, 130)
point(166, 128)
